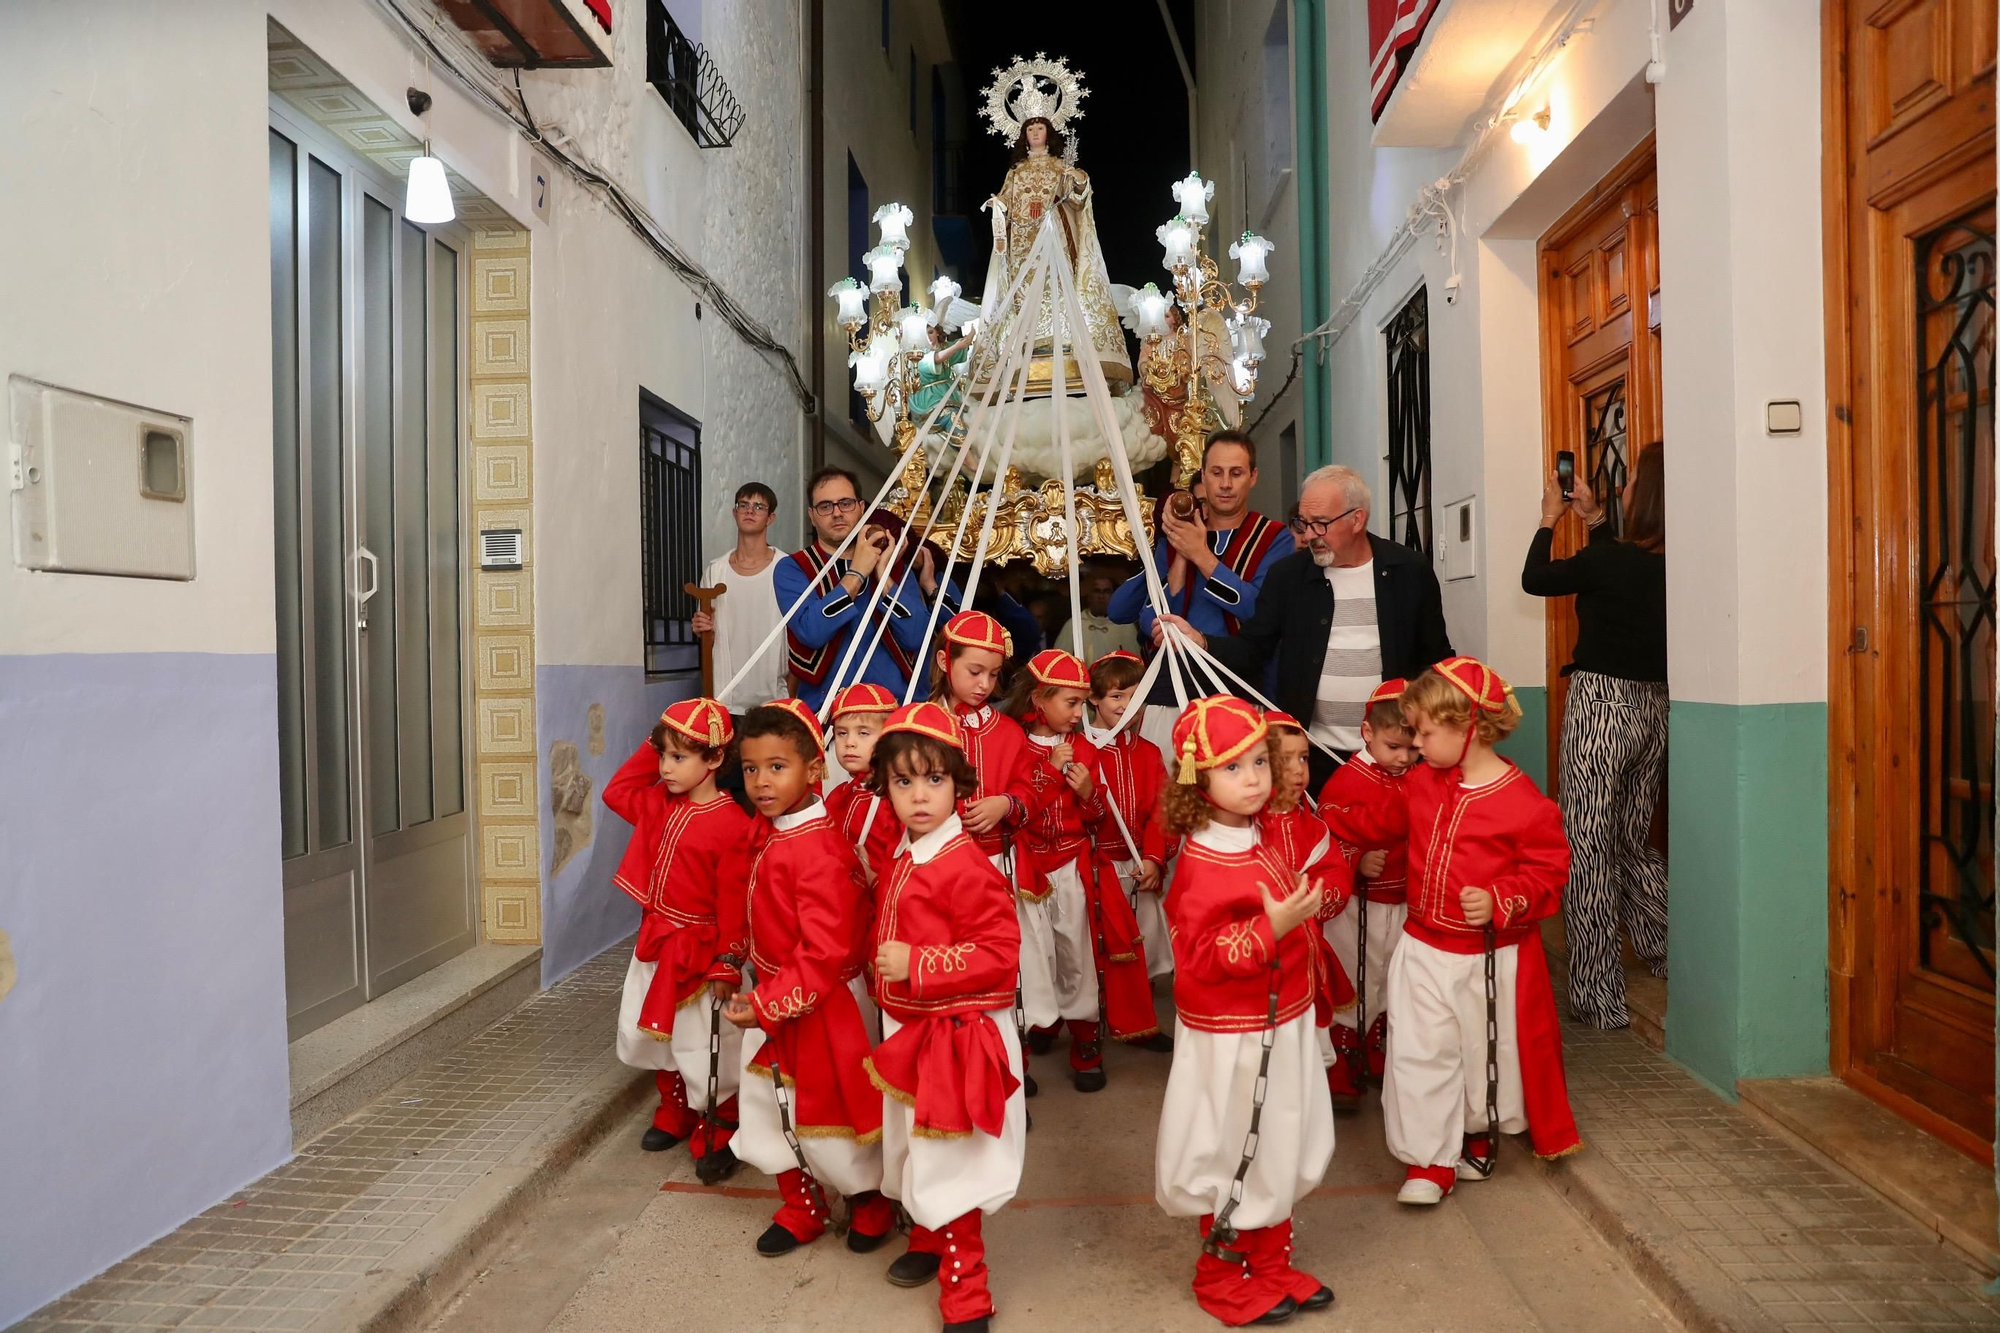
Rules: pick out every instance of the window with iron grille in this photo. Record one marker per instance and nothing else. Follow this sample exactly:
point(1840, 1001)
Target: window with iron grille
point(669, 532)
point(1408, 337)
point(684, 75)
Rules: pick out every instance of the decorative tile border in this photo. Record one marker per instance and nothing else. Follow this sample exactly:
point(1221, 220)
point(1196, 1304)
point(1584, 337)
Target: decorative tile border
point(503, 630)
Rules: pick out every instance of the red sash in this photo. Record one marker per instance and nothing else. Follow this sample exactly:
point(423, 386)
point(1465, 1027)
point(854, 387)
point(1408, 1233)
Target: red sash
point(1243, 554)
point(812, 665)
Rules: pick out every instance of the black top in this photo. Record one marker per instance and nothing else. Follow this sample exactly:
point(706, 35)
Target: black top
point(1621, 603)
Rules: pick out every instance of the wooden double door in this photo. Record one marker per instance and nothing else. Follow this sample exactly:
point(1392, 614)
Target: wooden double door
point(1909, 135)
point(1600, 329)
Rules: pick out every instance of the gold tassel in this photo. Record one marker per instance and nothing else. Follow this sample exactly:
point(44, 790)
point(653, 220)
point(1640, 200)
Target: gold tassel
point(1186, 775)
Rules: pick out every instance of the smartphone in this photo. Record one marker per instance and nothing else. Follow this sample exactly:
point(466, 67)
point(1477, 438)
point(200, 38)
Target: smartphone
point(1566, 471)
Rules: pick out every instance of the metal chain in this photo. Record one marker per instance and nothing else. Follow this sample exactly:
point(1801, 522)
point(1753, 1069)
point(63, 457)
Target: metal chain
point(1086, 865)
point(1361, 975)
point(715, 1065)
point(1221, 1234)
point(1485, 1165)
point(813, 1190)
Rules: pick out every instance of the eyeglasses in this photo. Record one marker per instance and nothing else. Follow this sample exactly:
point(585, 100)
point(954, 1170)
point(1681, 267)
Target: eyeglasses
point(1319, 527)
point(828, 508)
point(752, 507)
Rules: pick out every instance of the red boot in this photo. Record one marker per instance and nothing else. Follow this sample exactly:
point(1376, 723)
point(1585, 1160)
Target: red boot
point(798, 1213)
point(1378, 1047)
point(672, 1120)
point(1342, 1076)
point(713, 1135)
point(1086, 1056)
point(874, 1218)
point(1226, 1286)
point(1269, 1253)
point(962, 1290)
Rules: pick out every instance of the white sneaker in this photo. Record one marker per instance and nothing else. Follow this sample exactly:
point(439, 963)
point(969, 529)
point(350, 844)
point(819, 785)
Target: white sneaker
point(1421, 1192)
point(1467, 1171)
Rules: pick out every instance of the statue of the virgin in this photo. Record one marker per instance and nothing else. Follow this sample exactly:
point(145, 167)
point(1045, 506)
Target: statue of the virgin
point(1032, 105)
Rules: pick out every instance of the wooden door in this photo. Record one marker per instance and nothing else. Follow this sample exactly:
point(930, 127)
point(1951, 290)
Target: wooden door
point(1910, 255)
point(1600, 316)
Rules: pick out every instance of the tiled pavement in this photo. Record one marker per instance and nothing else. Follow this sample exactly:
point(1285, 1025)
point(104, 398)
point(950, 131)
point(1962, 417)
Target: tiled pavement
point(279, 1253)
point(1796, 1246)
point(1813, 1251)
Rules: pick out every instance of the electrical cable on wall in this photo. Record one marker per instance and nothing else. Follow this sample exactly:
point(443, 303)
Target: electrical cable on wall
point(554, 141)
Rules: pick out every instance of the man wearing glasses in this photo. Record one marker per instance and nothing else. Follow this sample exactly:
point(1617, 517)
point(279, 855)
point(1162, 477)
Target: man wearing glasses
point(823, 627)
point(1338, 617)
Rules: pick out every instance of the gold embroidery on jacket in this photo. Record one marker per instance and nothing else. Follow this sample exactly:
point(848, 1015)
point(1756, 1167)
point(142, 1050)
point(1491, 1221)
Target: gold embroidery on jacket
point(796, 1002)
point(1238, 940)
point(943, 957)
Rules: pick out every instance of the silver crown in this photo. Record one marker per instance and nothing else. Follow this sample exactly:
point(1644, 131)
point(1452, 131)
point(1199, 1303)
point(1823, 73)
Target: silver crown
point(1030, 89)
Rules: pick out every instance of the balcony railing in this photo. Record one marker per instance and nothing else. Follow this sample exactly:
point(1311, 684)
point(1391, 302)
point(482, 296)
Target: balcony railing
point(681, 72)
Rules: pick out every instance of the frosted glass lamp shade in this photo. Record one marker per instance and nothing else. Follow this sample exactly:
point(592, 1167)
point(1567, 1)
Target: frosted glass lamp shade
point(1246, 338)
point(1177, 242)
point(895, 220)
point(1193, 194)
point(871, 364)
point(1149, 312)
point(1250, 254)
point(885, 268)
point(851, 298)
point(915, 324)
point(429, 196)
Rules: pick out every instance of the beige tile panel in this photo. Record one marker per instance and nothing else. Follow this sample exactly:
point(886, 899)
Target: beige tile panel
point(499, 284)
point(506, 601)
point(501, 348)
point(500, 473)
point(500, 410)
point(507, 790)
point(506, 725)
point(510, 852)
point(506, 663)
point(513, 914)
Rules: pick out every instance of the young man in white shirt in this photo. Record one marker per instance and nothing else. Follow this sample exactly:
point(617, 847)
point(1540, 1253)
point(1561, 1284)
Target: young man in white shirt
point(745, 613)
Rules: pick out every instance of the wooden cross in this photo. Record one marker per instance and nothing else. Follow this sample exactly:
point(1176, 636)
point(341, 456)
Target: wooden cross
point(704, 601)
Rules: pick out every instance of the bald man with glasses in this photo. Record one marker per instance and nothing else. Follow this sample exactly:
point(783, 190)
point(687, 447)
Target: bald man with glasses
point(1340, 615)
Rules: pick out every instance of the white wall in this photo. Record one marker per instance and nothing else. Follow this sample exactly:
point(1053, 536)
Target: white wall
point(173, 314)
point(1244, 93)
point(1740, 153)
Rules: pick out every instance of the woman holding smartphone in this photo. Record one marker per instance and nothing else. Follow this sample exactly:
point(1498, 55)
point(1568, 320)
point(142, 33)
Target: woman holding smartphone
point(1614, 731)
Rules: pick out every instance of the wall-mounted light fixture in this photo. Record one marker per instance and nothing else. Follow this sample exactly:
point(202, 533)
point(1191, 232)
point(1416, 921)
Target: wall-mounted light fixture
point(1527, 129)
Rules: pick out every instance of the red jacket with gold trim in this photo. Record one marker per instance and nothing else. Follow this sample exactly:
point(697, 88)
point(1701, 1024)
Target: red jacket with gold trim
point(1504, 836)
point(1362, 782)
point(806, 908)
point(851, 806)
point(997, 749)
point(683, 863)
point(1135, 779)
point(956, 912)
point(1223, 945)
point(1302, 843)
point(1060, 823)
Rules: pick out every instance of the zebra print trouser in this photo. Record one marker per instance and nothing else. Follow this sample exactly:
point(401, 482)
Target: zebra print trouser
point(1614, 751)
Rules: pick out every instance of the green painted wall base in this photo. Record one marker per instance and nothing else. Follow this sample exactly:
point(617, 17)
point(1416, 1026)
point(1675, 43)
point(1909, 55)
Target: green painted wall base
point(1747, 916)
point(1528, 747)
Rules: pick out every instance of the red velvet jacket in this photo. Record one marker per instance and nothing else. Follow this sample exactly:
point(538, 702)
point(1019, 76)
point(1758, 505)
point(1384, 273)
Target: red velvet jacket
point(1302, 843)
point(850, 806)
point(997, 749)
point(1504, 836)
point(948, 1061)
point(1061, 824)
point(1362, 782)
point(683, 864)
point(1223, 945)
point(1135, 779)
point(806, 905)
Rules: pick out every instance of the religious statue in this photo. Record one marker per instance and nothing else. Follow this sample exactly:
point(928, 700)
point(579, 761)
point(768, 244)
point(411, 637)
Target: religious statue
point(1165, 373)
point(1031, 105)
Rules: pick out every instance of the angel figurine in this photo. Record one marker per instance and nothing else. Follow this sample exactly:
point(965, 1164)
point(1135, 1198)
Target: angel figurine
point(1031, 106)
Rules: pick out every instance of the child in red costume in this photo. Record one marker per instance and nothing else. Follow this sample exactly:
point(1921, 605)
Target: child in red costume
point(1488, 861)
point(1373, 777)
point(687, 855)
point(965, 674)
point(1290, 824)
point(1135, 781)
point(1244, 967)
point(861, 815)
point(806, 1041)
point(946, 946)
point(1091, 939)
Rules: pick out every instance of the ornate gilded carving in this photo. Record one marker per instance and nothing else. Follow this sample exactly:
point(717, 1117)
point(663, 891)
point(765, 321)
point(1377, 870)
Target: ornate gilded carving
point(1028, 525)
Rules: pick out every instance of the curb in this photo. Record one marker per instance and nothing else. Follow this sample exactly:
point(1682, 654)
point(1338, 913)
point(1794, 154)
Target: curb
point(412, 1283)
point(1693, 1287)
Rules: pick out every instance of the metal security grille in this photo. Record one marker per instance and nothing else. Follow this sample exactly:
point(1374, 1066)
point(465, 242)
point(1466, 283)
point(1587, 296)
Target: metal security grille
point(1954, 420)
point(1604, 450)
point(669, 532)
point(1410, 423)
point(684, 74)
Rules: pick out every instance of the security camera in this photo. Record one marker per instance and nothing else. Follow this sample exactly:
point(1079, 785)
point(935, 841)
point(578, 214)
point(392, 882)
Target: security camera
point(1451, 286)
